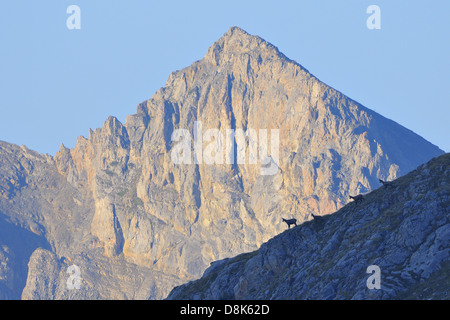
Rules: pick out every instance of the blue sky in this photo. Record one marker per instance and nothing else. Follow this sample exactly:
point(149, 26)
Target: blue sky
point(56, 83)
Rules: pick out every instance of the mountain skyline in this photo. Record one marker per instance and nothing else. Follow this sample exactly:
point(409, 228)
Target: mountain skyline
point(52, 77)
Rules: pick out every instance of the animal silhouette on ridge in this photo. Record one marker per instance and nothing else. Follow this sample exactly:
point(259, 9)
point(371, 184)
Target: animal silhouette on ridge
point(357, 198)
point(318, 218)
point(289, 222)
point(386, 183)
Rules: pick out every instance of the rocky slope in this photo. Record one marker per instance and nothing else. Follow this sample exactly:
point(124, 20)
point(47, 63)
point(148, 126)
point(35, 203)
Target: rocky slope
point(404, 229)
point(118, 202)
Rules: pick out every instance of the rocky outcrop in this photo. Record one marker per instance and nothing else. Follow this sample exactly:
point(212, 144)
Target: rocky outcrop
point(401, 231)
point(6, 272)
point(105, 226)
point(120, 198)
point(43, 285)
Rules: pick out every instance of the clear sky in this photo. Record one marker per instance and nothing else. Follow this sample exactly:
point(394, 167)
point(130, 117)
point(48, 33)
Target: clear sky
point(56, 83)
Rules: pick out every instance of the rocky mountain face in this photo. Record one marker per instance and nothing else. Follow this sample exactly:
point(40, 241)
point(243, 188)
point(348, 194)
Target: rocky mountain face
point(400, 232)
point(137, 222)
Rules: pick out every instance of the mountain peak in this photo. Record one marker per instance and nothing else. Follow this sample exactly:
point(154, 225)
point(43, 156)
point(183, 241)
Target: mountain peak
point(120, 191)
point(235, 30)
point(236, 42)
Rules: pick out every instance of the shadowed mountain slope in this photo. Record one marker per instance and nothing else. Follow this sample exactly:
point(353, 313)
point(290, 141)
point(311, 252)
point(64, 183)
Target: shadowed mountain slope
point(404, 229)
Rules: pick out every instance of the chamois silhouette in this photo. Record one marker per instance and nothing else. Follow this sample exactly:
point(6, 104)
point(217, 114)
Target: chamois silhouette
point(386, 183)
point(319, 218)
point(357, 198)
point(289, 222)
point(318, 223)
